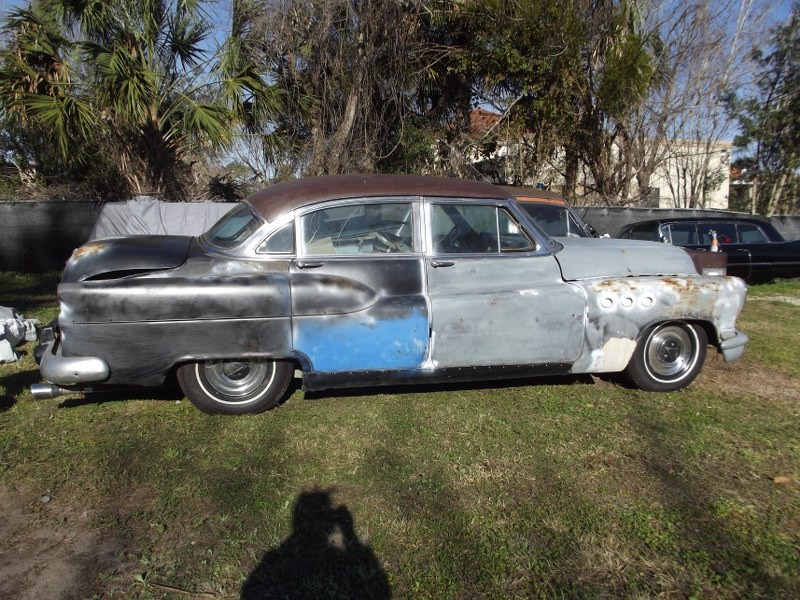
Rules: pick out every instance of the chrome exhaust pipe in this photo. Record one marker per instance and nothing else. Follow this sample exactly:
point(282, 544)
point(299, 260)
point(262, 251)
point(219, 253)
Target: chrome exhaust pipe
point(47, 391)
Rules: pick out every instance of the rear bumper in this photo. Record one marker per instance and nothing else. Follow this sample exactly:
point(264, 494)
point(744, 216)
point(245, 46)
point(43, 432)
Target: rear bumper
point(732, 348)
point(67, 370)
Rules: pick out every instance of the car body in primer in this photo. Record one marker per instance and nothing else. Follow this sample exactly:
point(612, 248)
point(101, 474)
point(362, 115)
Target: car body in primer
point(378, 279)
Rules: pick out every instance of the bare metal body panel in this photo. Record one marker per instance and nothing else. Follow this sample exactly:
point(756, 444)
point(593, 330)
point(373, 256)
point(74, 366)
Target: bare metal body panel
point(587, 258)
point(358, 314)
point(619, 310)
point(504, 310)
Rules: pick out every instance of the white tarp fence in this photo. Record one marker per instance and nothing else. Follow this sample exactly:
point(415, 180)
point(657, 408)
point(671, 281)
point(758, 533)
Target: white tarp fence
point(145, 215)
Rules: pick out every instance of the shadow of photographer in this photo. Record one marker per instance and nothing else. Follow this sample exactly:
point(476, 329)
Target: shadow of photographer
point(323, 557)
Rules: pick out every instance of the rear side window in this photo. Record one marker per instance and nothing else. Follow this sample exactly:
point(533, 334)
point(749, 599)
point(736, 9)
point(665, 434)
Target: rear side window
point(726, 232)
point(375, 228)
point(279, 242)
point(751, 234)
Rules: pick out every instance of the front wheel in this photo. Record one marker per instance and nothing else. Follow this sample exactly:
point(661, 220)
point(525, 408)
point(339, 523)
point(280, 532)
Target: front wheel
point(235, 387)
point(668, 357)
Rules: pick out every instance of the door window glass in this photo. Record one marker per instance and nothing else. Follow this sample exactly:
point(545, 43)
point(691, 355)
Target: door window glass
point(376, 228)
point(512, 237)
point(475, 229)
point(726, 232)
point(751, 234)
point(462, 228)
point(683, 234)
point(279, 242)
point(647, 232)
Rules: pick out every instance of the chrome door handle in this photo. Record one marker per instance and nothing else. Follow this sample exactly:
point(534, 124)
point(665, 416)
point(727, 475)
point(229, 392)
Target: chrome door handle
point(442, 263)
point(301, 264)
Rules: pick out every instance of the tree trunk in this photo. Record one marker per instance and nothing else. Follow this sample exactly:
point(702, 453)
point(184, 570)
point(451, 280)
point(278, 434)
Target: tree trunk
point(338, 141)
point(570, 174)
point(777, 194)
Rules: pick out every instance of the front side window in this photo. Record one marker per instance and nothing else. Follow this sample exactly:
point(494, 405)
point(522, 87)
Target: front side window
point(234, 228)
point(512, 237)
point(474, 228)
point(683, 234)
point(375, 228)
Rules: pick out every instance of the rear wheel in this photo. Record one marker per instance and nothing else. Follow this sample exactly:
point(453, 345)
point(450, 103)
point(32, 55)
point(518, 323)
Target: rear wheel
point(235, 387)
point(668, 357)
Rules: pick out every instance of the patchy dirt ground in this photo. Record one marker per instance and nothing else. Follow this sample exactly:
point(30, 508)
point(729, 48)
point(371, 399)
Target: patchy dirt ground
point(742, 377)
point(790, 299)
point(48, 550)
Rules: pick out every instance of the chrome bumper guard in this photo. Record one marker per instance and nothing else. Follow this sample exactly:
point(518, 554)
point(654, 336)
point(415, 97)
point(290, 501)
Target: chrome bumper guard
point(733, 347)
point(71, 370)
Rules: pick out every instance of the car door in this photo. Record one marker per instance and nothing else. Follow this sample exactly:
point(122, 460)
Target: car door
point(497, 296)
point(358, 299)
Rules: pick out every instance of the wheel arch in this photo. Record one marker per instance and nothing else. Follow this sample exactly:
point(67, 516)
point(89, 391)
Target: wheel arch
point(705, 324)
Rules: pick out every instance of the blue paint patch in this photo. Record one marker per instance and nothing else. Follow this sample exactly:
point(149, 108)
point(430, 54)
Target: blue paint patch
point(358, 342)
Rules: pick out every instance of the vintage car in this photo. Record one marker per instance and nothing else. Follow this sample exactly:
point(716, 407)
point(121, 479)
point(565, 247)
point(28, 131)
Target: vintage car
point(756, 251)
point(378, 279)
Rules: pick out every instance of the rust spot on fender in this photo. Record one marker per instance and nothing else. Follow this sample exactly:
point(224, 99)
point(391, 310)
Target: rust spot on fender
point(87, 250)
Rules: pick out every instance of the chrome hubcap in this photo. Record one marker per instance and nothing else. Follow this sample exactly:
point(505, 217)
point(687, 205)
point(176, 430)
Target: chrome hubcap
point(236, 379)
point(670, 352)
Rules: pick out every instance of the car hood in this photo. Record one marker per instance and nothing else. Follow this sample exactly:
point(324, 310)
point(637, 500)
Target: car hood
point(587, 258)
point(120, 256)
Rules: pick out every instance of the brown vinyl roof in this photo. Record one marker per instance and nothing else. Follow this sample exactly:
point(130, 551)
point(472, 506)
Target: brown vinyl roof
point(277, 199)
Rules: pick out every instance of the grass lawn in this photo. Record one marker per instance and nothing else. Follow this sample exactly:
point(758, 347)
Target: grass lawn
point(554, 488)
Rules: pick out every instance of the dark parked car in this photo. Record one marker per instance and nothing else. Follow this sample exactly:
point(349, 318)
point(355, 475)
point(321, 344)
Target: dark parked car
point(756, 251)
point(365, 280)
point(557, 217)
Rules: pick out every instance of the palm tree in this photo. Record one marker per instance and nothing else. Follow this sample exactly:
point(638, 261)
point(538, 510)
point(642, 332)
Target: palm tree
point(132, 73)
point(38, 104)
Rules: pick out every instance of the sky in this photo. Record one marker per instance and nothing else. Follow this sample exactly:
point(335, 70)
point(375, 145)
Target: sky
point(780, 10)
point(221, 9)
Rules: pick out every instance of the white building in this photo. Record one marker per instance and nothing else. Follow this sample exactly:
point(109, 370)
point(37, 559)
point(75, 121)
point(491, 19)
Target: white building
point(692, 174)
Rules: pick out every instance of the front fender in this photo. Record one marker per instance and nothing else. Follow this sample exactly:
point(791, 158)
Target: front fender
point(619, 310)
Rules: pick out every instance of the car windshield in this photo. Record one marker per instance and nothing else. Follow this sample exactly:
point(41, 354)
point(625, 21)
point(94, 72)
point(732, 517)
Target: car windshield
point(555, 220)
point(233, 229)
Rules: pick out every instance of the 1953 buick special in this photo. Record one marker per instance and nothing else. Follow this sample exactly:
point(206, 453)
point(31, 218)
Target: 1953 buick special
point(378, 279)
